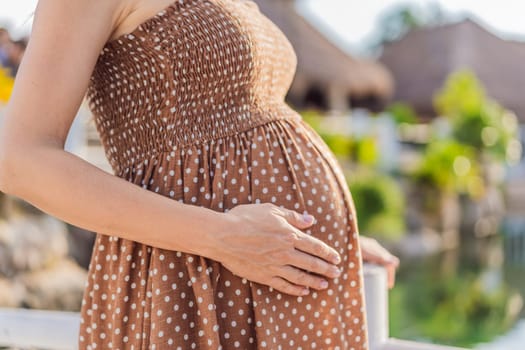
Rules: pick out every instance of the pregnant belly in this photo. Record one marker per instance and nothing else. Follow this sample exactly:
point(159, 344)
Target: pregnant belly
point(283, 162)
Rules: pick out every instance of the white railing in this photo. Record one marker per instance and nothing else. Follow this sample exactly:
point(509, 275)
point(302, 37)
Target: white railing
point(56, 330)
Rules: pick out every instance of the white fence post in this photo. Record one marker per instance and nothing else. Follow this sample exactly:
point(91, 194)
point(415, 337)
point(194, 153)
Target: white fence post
point(376, 295)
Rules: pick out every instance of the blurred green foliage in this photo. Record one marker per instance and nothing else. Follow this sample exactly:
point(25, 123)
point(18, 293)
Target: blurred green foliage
point(379, 203)
point(476, 119)
point(450, 166)
point(339, 144)
point(402, 113)
point(313, 118)
point(365, 151)
point(449, 307)
point(479, 127)
point(462, 94)
point(361, 150)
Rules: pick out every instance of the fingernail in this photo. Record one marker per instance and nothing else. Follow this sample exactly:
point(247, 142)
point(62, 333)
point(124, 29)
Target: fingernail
point(336, 271)
point(308, 218)
point(324, 284)
point(337, 259)
point(306, 291)
point(393, 260)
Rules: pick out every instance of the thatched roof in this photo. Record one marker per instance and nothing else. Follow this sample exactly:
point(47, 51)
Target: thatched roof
point(319, 59)
point(422, 60)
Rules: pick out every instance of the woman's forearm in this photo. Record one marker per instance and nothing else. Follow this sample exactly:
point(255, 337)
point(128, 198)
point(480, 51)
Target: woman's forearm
point(75, 191)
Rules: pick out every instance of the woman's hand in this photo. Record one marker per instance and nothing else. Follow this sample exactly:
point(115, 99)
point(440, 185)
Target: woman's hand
point(373, 252)
point(264, 243)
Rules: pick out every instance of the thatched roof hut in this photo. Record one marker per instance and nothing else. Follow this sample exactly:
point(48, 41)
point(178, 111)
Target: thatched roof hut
point(326, 74)
point(421, 61)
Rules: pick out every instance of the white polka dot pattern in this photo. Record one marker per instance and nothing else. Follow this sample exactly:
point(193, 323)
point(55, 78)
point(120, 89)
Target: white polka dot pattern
point(190, 105)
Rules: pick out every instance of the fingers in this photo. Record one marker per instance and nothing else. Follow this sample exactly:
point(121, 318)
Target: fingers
point(382, 260)
point(303, 278)
point(391, 275)
point(313, 264)
point(394, 260)
point(285, 286)
point(316, 247)
point(296, 219)
point(307, 243)
point(374, 252)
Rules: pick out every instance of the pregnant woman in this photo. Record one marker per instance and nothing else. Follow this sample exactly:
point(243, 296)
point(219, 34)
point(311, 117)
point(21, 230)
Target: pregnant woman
point(227, 223)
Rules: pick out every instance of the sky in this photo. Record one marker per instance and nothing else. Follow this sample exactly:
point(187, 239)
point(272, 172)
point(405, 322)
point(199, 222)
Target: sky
point(351, 22)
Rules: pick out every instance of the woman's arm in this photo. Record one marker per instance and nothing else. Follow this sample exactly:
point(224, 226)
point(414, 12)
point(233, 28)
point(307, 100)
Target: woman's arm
point(66, 39)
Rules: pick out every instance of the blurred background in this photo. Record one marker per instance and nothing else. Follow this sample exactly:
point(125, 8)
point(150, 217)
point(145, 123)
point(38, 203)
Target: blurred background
point(421, 102)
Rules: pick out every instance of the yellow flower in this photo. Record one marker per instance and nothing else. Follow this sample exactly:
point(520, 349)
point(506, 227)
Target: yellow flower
point(6, 85)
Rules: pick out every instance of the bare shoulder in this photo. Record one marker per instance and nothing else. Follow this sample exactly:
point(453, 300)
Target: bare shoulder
point(135, 12)
point(98, 18)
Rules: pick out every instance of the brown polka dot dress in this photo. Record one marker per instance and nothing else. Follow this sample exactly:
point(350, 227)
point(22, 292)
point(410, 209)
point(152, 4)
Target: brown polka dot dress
point(190, 105)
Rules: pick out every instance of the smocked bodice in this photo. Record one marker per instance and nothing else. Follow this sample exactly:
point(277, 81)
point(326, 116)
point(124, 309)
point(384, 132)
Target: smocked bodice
point(197, 70)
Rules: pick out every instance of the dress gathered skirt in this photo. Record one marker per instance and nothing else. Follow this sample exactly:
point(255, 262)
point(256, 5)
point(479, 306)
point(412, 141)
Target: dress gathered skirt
point(190, 105)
